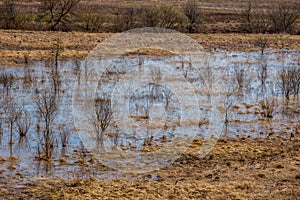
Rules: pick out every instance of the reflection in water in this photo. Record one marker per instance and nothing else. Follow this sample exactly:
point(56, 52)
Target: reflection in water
point(257, 102)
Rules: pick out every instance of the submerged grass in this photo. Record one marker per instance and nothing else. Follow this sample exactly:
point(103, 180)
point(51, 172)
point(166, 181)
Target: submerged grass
point(243, 168)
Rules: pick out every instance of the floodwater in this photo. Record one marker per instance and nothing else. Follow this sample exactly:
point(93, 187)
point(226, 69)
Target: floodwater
point(154, 109)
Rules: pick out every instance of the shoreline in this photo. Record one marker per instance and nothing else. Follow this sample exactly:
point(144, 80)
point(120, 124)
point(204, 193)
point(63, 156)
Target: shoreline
point(236, 168)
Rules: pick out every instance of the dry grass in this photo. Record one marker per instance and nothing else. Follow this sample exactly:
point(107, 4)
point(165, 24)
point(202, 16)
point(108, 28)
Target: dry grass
point(235, 169)
point(16, 45)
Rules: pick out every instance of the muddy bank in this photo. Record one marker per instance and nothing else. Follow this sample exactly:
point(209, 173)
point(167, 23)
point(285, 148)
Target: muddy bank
point(236, 169)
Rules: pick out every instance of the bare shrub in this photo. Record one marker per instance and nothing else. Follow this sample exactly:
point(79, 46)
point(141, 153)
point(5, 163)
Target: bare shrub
point(156, 77)
point(11, 17)
point(167, 94)
point(115, 138)
point(285, 83)
point(240, 77)
point(103, 114)
point(268, 106)
point(92, 20)
point(8, 14)
point(171, 17)
point(289, 82)
point(148, 141)
point(263, 75)
point(149, 16)
point(1, 129)
point(125, 19)
point(64, 136)
point(193, 14)
point(165, 16)
point(295, 81)
point(28, 77)
point(7, 81)
point(24, 123)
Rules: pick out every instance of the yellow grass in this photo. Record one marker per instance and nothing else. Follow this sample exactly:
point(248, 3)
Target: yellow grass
point(235, 169)
point(15, 45)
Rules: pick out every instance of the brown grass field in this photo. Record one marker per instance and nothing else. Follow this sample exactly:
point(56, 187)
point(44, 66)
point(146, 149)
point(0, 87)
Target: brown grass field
point(15, 45)
point(243, 168)
point(235, 169)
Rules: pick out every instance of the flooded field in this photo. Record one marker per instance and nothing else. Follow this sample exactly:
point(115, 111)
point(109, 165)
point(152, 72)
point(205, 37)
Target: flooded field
point(258, 98)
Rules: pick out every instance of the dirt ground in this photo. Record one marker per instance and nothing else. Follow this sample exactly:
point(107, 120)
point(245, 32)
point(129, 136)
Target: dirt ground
point(19, 47)
point(242, 168)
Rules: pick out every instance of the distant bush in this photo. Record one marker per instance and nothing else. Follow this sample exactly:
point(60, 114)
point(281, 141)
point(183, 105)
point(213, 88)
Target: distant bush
point(165, 16)
point(193, 15)
point(284, 16)
point(281, 16)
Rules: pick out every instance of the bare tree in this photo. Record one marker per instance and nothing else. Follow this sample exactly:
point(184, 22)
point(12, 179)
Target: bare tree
point(284, 15)
point(289, 81)
point(93, 21)
point(285, 83)
point(228, 102)
point(11, 16)
point(125, 19)
point(13, 112)
point(167, 97)
point(47, 108)
point(256, 19)
point(103, 114)
point(77, 70)
point(1, 131)
point(53, 63)
point(8, 14)
point(295, 81)
point(262, 76)
point(156, 77)
point(57, 11)
point(7, 81)
point(193, 14)
point(247, 13)
point(1, 128)
point(262, 43)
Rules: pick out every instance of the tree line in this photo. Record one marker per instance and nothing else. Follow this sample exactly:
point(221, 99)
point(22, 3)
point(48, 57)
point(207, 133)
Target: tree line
point(72, 15)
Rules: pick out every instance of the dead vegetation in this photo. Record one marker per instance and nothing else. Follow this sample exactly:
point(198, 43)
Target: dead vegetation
point(279, 16)
point(15, 46)
point(235, 169)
